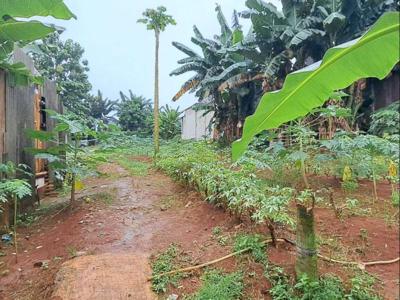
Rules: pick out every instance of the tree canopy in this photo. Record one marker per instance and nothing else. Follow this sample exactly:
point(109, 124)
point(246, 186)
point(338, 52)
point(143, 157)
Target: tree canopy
point(157, 19)
point(135, 113)
point(63, 62)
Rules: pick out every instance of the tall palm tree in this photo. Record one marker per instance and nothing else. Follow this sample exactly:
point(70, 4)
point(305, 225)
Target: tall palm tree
point(157, 20)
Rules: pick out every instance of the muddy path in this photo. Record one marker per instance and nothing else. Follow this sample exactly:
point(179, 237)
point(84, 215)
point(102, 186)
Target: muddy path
point(102, 249)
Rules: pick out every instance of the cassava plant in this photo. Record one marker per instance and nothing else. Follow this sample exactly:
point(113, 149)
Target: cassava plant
point(15, 189)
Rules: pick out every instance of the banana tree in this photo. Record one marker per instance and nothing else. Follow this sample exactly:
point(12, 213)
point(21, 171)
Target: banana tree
point(219, 61)
point(372, 55)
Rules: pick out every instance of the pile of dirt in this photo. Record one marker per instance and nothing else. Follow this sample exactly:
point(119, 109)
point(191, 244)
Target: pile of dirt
point(106, 276)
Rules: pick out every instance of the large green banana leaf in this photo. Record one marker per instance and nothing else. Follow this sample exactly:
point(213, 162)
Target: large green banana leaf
point(17, 31)
point(373, 55)
point(30, 8)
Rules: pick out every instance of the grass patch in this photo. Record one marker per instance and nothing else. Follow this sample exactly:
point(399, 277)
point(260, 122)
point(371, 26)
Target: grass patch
point(105, 197)
point(165, 262)
point(221, 286)
point(134, 167)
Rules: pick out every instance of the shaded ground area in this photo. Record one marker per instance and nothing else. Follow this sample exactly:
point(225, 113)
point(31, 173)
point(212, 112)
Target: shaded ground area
point(103, 246)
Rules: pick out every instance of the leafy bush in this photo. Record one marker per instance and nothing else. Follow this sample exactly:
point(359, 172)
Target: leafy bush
point(170, 124)
point(386, 120)
point(235, 188)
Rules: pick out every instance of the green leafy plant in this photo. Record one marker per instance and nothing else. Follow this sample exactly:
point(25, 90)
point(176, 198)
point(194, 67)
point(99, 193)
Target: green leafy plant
point(135, 114)
point(386, 120)
point(309, 88)
point(255, 243)
point(17, 29)
point(63, 62)
point(197, 164)
point(170, 124)
point(14, 188)
point(164, 262)
point(217, 285)
point(65, 156)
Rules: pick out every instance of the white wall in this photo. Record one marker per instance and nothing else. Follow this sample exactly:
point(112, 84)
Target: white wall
point(195, 125)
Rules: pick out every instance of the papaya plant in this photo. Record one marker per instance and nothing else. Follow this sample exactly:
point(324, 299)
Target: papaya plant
point(65, 155)
point(14, 188)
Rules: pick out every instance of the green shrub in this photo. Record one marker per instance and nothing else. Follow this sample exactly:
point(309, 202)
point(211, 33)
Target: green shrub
point(219, 286)
point(163, 263)
point(255, 243)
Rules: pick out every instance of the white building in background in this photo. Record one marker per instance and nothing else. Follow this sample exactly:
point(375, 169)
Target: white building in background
point(196, 125)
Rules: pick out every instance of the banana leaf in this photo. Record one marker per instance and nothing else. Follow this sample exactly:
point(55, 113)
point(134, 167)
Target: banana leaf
point(30, 8)
point(372, 55)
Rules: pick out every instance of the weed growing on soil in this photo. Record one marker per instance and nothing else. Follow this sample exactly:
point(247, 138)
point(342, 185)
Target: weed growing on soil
point(222, 239)
point(165, 262)
point(29, 218)
point(327, 287)
point(72, 252)
point(221, 286)
point(105, 197)
point(134, 167)
point(256, 245)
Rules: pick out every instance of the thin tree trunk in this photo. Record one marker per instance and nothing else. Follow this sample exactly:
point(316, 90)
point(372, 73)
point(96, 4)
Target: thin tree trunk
point(306, 260)
point(15, 228)
point(271, 229)
point(73, 183)
point(156, 98)
point(73, 179)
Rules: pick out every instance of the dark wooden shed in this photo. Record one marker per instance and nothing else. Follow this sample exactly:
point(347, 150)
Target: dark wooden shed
point(21, 108)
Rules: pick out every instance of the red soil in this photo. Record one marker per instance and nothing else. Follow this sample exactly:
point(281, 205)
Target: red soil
point(147, 215)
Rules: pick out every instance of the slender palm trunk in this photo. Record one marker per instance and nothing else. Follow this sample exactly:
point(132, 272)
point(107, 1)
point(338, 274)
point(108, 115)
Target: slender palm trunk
point(73, 179)
point(156, 98)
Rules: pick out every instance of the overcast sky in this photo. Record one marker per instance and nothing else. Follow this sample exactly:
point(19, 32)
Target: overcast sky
point(121, 51)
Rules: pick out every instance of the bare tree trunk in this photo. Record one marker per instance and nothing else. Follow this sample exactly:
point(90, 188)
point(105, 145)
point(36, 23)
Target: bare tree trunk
point(73, 183)
point(306, 260)
point(156, 98)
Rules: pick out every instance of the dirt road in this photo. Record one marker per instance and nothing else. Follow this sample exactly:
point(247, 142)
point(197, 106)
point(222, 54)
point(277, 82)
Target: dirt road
point(113, 241)
point(101, 249)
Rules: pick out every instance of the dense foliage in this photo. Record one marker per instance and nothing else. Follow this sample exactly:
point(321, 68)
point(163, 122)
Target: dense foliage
point(100, 108)
point(170, 123)
point(135, 113)
point(235, 69)
point(386, 120)
point(63, 62)
point(17, 29)
point(310, 88)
